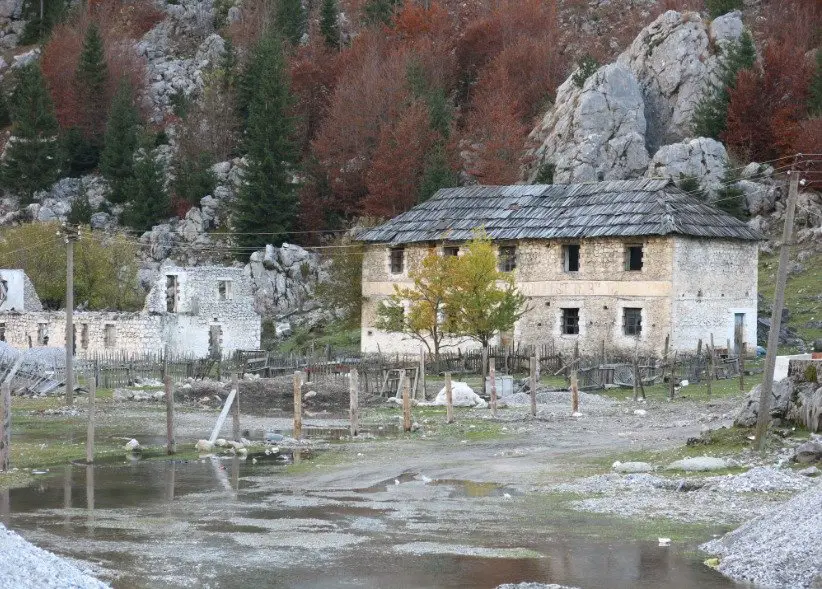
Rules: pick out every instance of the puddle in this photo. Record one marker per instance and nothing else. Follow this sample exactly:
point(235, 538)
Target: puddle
point(227, 523)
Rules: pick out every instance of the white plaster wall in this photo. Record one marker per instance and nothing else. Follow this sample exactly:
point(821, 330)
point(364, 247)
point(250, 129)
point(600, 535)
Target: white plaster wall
point(15, 298)
point(713, 280)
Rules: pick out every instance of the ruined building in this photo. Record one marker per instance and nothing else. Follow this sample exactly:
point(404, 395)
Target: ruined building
point(624, 263)
point(198, 311)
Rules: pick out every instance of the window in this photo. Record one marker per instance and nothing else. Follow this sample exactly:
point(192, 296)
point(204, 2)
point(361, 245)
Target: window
point(632, 321)
point(224, 290)
point(570, 321)
point(397, 260)
point(570, 254)
point(42, 333)
point(84, 336)
point(633, 258)
point(172, 293)
point(450, 251)
point(507, 258)
point(109, 336)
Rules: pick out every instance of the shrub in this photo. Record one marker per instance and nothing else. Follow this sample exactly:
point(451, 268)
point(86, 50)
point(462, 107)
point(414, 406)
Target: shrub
point(719, 7)
point(585, 69)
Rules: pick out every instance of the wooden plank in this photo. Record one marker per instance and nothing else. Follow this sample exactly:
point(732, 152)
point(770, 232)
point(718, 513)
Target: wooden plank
point(221, 419)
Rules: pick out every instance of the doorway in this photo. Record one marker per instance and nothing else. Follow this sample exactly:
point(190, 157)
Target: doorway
point(739, 332)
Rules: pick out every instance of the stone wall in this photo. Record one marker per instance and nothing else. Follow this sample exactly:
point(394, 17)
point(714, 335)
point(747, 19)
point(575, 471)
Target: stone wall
point(601, 289)
point(713, 280)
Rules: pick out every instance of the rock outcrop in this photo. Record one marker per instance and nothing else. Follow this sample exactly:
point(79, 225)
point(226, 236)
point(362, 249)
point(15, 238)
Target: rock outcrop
point(596, 132)
point(673, 61)
point(702, 159)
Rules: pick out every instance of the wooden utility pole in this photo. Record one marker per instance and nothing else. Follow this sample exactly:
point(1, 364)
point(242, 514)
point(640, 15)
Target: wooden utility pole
point(533, 384)
point(492, 375)
point(70, 235)
point(776, 316)
point(574, 393)
point(406, 403)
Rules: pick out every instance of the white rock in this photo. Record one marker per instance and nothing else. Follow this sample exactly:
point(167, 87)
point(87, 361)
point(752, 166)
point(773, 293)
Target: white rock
point(221, 443)
point(699, 464)
point(204, 446)
point(132, 445)
point(640, 412)
point(701, 158)
point(631, 467)
point(462, 395)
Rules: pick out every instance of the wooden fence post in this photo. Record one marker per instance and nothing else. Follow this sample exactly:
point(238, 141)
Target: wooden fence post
point(636, 375)
point(235, 414)
point(406, 403)
point(711, 367)
point(484, 363)
point(492, 375)
point(742, 352)
point(298, 405)
point(449, 400)
point(353, 407)
point(92, 394)
point(171, 448)
point(672, 380)
point(574, 392)
point(421, 376)
point(533, 385)
point(5, 425)
point(665, 355)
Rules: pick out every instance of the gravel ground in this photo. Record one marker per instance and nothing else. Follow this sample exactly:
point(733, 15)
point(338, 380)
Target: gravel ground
point(25, 566)
point(717, 499)
point(533, 586)
point(782, 548)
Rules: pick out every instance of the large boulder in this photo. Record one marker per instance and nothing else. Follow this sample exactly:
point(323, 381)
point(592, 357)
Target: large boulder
point(702, 159)
point(674, 58)
point(596, 132)
point(781, 395)
point(808, 452)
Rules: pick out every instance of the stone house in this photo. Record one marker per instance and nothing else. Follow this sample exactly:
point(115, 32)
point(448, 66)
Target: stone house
point(198, 311)
point(625, 262)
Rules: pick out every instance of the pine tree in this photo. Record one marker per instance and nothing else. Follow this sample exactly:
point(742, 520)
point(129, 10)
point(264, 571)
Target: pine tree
point(815, 99)
point(81, 209)
point(121, 140)
point(33, 155)
point(228, 66)
point(148, 201)
point(328, 23)
point(90, 81)
point(291, 20)
point(194, 178)
point(711, 112)
point(730, 198)
point(266, 205)
point(438, 174)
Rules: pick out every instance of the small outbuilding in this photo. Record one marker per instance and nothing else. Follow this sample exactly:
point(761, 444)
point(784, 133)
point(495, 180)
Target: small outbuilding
point(625, 263)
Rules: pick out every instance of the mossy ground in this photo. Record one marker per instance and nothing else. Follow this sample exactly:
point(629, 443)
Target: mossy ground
point(802, 293)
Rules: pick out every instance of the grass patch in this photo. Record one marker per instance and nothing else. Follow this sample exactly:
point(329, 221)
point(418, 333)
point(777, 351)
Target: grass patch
point(699, 391)
point(802, 293)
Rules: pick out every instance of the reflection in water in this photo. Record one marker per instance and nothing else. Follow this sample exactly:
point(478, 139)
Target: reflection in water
point(197, 517)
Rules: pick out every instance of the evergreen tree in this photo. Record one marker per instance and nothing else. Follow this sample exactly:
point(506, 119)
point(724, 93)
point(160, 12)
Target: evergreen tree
point(379, 11)
point(81, 209)
point(228, 66)
point(711, 113)
point(121, 140)
point(730, 198)
point(194, 178)
point(33, 155)
point(719, 7)
point(291, 20)
point(437, 174)
point(90, 81)
point(328, 23)
point(267, 200)
point(815, 99)
point(148, 201)
point(691, 185)
point(41, 16)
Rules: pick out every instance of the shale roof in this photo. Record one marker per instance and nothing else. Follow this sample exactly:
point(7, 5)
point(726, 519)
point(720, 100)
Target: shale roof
point(623, 208)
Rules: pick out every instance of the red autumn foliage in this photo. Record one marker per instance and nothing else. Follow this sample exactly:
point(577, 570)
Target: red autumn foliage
point(767, 107)
point(398, 163)
point(61, 55)
point(314, 73)
point(794, 23)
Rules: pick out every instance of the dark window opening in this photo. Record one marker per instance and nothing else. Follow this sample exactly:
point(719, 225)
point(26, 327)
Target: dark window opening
point(570, 321)
point(507, 258)
point(397, 260)
point(633, 258)
point(571, 255)
point(632, 321)
point(451, 250)
point(172, 293)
